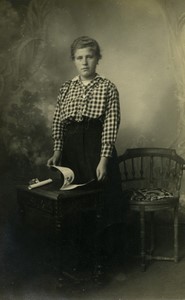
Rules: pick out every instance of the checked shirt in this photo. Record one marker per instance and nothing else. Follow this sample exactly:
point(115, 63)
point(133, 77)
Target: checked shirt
point(97, 100)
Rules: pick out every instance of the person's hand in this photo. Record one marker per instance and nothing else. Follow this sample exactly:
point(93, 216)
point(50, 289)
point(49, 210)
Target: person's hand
point(101, 170)
point(54, 160)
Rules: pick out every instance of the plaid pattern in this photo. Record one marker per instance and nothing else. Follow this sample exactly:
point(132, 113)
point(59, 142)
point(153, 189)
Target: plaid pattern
point(98, 100)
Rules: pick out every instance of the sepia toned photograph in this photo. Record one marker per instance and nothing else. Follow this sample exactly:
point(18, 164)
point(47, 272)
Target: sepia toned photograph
point(92, 149)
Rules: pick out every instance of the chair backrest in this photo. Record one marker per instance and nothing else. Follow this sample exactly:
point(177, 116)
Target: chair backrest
point(152, 168)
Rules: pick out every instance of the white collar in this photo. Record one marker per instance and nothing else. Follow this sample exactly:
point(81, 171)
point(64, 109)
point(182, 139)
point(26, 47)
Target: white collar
point(77, 78)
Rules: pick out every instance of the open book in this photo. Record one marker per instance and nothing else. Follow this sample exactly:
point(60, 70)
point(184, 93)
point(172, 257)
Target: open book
point(68, 177)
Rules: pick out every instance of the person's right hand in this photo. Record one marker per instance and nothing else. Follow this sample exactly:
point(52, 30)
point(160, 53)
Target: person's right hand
point(54, 160)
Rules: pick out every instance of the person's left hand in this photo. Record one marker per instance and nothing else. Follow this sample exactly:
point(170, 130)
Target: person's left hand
point(101, 170)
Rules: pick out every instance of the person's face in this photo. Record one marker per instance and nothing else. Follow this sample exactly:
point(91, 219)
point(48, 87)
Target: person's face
point(85, 61)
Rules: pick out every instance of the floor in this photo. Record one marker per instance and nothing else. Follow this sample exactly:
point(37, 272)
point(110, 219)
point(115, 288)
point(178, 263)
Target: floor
point(31, 270)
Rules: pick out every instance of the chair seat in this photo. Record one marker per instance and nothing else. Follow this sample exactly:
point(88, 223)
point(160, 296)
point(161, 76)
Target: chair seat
point(149, 195)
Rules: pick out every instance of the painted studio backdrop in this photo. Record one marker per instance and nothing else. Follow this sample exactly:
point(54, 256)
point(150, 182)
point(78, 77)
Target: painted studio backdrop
point(143, 49)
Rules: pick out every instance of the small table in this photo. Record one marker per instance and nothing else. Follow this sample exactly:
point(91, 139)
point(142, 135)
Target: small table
point(58, 204)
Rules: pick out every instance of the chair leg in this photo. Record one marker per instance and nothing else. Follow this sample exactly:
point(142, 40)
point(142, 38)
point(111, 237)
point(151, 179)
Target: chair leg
point(176, 234)
point(142, 236)
point(152, 233)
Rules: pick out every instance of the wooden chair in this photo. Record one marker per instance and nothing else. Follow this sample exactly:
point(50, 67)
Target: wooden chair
point(151, 179)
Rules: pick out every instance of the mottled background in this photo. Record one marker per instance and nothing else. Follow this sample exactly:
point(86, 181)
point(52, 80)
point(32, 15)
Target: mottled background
point(143, 47)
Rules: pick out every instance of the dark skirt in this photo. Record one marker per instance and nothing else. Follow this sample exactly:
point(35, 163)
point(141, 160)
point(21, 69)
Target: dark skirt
point(81, 153)
point(82, 146)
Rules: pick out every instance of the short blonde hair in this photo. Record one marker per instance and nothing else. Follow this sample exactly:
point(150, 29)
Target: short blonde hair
point(84, 42)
